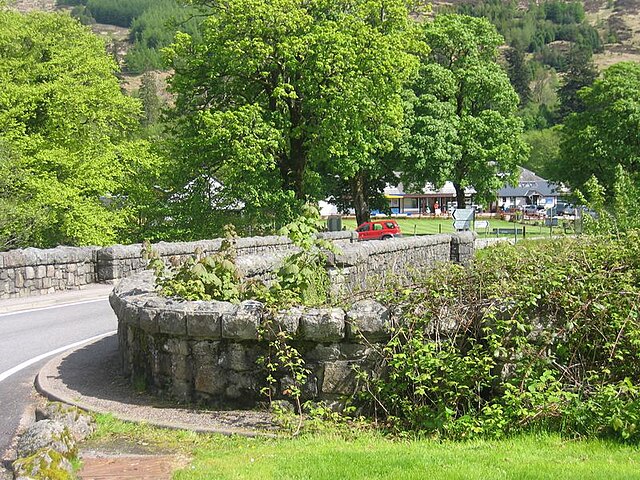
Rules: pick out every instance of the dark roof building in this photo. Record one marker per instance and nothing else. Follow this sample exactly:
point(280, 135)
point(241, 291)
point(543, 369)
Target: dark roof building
point(531, 190)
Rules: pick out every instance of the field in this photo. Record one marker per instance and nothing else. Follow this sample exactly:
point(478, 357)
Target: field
point(430, 226)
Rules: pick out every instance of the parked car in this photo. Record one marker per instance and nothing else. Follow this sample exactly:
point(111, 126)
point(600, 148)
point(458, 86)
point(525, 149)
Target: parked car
point(533, 210)
point(561, 209)
point(378, 230)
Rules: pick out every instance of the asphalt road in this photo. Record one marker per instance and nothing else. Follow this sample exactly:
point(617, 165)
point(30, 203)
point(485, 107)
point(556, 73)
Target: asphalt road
point(28, 339)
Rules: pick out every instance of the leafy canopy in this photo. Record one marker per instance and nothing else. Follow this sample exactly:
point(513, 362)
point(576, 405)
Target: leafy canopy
point(277, 91)
point(64, 125)
point(462, 124)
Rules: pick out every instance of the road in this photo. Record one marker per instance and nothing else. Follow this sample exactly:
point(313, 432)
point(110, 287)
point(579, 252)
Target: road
point(29, 338)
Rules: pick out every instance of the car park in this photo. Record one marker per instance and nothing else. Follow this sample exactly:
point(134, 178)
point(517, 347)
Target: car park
point(379, 230)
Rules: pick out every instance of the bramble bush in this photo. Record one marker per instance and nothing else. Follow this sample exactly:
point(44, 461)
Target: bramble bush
point(541, 335)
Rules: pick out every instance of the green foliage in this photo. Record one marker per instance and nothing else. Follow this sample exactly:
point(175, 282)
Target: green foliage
point(154, 29)
point(66, 126)
point(544, 152)
point(210, 277)
point(538, 25)
point(286, 89)
point(118, 12)
point(606, 133)
point(302, 277)
point(462, 124)
point(617, 213)
point(542, 335)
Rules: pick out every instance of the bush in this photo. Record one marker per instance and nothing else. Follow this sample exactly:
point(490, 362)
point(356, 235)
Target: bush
point(539, 336)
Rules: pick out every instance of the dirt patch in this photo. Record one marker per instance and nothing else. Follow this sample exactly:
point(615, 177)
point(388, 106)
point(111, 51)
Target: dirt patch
point(33, 5)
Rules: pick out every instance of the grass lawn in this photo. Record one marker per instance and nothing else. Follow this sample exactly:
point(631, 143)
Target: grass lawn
point(430, 226)
point(372, 456)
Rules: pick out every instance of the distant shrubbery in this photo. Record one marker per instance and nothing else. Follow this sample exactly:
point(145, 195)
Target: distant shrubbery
point(538, 336)
point(537, 26)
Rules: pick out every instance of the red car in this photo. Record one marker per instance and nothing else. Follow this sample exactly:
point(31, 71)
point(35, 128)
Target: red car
point(379, 230)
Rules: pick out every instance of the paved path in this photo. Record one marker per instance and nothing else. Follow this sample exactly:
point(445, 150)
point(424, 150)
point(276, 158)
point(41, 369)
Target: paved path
point(31, 331)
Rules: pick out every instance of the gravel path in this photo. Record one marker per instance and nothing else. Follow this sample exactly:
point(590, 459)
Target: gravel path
point(90, 378)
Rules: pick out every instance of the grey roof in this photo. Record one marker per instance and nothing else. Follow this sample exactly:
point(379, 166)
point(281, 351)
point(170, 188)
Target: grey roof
point(530, 184)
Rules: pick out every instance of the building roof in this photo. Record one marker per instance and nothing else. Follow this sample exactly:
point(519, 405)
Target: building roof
point(531, 184)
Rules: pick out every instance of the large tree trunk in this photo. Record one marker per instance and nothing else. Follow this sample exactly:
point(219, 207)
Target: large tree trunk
point(359, 192)
point(460, 201)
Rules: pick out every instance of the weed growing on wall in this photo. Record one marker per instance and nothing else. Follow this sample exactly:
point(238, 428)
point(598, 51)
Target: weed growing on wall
point(541, 335)
point(301, 279)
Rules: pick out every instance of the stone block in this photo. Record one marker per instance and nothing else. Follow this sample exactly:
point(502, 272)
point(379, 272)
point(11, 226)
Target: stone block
point(285, 321)
point(181, 368)
point(339, 378)
point(148, 319)
point(177, 346)
point(239, 357)
point(205, 320)
point(129, 314)
point(41, 271)
point(325, 325)
point(173, 320)
point(368, 320)
point(244, 322)
point(210, 379)
point(29, 273)
point(243, 386)
point(324, 353)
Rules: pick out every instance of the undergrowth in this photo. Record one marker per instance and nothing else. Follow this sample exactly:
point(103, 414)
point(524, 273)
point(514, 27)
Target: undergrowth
point(539, 336)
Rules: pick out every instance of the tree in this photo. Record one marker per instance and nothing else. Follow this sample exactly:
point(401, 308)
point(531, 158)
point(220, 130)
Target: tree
point(581, 72)
point(462, 122)
point(607, 132)
point(519, 73)
point(303, 86)
point(544, 152)
point(64, 132)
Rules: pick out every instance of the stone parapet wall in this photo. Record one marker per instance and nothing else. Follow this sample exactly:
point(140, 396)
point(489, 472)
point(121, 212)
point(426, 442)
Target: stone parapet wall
point(120, 261)
point(33, 271)
point(208, 351)
point(362, 265)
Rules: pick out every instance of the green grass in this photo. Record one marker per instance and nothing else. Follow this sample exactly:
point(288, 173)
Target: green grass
point(374, 457)
point(429, 226)
point(367, 455)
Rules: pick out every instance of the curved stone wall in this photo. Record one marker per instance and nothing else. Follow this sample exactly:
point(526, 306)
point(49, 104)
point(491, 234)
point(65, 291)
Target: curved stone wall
point(209, 351)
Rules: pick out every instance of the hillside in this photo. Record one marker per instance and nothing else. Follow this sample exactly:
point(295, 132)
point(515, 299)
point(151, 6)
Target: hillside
point(617, 21)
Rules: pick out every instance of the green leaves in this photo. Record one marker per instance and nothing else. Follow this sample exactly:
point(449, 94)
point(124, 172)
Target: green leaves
point(538, 335)
point(462, 124)
point(605, 134)
point(66, 124)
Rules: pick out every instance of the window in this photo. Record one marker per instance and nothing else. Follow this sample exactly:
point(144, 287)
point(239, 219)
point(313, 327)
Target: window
point(377, 226)
point(364, 228)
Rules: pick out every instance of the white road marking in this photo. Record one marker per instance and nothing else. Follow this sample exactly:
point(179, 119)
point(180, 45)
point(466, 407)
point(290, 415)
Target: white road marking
point(50, 307)
point(23, 365)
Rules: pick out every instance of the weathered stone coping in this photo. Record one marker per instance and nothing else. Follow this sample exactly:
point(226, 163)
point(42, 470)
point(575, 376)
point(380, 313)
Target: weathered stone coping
point(138, 305)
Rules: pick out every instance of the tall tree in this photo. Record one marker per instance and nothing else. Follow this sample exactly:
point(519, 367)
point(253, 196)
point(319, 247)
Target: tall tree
point(519, 73)
point(303, 86)
point(607, 132)
point(65, 125)
point(462, 123)
point(581, 72)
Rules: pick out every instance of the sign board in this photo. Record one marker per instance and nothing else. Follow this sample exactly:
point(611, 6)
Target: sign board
point(481, 224)
point(462, 218)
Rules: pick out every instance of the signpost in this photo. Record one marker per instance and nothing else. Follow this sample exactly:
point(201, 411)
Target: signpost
point(462, 218)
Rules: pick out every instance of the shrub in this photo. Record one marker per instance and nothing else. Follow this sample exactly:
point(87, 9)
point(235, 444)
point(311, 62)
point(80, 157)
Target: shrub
point(539, 335)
